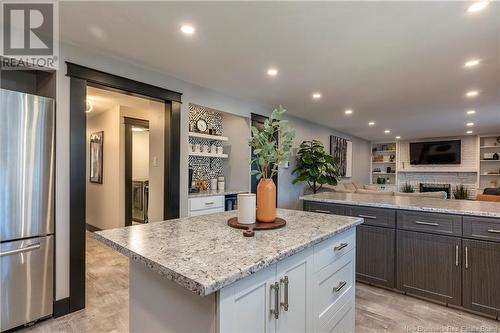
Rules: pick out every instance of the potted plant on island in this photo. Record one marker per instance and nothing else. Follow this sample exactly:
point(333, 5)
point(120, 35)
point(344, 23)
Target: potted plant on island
point(315, 166)
point(270, 146)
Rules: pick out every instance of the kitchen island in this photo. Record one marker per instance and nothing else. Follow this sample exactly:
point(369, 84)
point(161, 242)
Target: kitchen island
point(443, 250)
point(197, 274)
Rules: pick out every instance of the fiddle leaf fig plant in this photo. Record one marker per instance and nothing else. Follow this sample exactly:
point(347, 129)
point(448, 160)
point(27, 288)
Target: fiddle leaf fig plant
point(315, 166)
point(271, 145)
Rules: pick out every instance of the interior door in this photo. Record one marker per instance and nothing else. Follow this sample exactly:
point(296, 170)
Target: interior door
point(258, 122)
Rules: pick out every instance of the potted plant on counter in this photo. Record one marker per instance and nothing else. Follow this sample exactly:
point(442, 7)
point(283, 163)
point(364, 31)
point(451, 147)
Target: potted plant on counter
point(407, 188)
point(271, 145)
point(315, 166)
point(461, 192)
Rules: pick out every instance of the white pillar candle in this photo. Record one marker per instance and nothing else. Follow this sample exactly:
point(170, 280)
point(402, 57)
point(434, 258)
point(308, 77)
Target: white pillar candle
point(246, 208)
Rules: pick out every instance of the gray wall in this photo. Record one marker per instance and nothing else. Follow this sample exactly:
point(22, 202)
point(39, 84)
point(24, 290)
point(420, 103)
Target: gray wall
point(288, 194)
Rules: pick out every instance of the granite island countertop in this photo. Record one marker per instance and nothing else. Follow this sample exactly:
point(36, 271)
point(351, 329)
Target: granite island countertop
point(203, 254)
point(448, 206)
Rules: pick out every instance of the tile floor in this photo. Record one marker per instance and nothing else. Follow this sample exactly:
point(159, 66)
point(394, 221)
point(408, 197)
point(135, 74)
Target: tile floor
point(377, 310)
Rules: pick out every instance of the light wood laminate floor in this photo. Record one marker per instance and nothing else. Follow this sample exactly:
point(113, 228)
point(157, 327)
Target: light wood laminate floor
point(377, 310)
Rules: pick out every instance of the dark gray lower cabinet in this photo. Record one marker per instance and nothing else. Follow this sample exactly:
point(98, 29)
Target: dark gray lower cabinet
point(481, 278)
point(375, 255)
point(429, 266)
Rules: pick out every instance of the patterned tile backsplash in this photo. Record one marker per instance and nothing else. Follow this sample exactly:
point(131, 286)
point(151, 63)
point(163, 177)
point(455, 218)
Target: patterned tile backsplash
point(206, 167)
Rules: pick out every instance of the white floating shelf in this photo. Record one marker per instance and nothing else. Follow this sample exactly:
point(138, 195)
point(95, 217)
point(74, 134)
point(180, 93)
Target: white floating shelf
point(490, 147)
point(384, 173)
point(208, 136)
point(490, 175)
point(209, 155)
point(383, 162)
point(490, 160)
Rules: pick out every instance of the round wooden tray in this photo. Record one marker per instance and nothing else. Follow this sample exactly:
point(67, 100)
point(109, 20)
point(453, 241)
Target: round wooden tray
point(249, 228)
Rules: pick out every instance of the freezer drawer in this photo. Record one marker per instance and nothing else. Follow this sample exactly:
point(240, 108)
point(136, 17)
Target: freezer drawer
point(26, 268)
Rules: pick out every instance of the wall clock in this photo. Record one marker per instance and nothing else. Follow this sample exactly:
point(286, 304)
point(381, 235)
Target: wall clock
point(201, 125)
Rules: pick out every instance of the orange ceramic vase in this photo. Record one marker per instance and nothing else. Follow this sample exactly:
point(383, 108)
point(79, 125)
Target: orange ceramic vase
point(266, 200)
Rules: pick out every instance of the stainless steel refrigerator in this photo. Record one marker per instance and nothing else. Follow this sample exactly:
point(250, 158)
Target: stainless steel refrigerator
point(26, 207)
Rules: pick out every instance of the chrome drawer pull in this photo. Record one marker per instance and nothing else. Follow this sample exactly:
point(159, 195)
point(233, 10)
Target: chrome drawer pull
point(493, 231)
point(338, 288)
point(367, 216)
point(276, 311)
point(340, 247)
point(322, 211)
point(209, 203)
point(466, 257)
point(284, 304)
point(456, 255)
point(427, 223)
point(21, 250)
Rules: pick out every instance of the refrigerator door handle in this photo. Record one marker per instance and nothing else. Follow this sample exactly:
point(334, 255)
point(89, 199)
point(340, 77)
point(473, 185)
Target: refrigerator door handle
point(20, 250)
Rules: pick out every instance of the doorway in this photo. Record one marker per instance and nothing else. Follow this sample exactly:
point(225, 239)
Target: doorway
point(82, 78)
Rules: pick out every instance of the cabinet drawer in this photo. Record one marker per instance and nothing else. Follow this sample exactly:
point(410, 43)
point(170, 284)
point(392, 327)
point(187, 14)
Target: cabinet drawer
point(343, 320)
point(330, 250)
point(206, 202)
point(482, 228)
point(435, 223)
point(318, 207)
point(374, 216)
point(333, 287)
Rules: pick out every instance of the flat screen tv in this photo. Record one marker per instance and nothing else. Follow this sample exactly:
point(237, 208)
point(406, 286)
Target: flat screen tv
point(435, 152)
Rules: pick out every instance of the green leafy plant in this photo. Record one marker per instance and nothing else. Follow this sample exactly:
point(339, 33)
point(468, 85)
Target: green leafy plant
point(407, 188)
point(271, 145)
point(461, 192)
point(315, 166)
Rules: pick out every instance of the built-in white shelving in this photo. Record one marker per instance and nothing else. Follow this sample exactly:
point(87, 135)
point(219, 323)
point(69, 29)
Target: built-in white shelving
point(488, 144)
point(208, 136)
point(384, 156)
point(201, 154)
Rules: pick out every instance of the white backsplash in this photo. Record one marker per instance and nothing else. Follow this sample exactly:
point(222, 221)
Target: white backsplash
point(468, 179)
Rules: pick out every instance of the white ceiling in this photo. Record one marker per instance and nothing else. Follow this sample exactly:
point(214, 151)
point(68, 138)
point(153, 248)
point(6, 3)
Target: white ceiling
point(397, 63)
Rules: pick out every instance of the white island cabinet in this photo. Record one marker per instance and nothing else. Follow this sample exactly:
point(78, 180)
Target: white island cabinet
point(296, 279)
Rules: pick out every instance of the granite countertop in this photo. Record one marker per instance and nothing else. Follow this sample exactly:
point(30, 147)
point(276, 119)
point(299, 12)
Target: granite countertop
point(203, 254)
point(211, 193)
point(450, 206)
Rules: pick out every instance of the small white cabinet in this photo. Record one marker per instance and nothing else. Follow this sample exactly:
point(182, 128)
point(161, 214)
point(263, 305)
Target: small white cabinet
point(311, 291)
point(206, 205)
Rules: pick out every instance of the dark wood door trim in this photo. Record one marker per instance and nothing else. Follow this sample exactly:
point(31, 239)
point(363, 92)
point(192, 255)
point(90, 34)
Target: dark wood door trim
point(129, 123)
point(77, 190)
point(80, 78)
point(114, 82)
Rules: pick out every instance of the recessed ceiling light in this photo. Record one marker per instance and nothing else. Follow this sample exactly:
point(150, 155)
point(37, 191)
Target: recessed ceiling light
point(472, 93)
point(472, 63)
point(348, 111)
point(398, 137)
point(371, 123)
point(316, 95)
point(471, 112)
point(469, 124)
point(272, 72)
point(477, 6)
point(387, 131)
point(88, 106)
point(469, 132)
point(188, 29)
